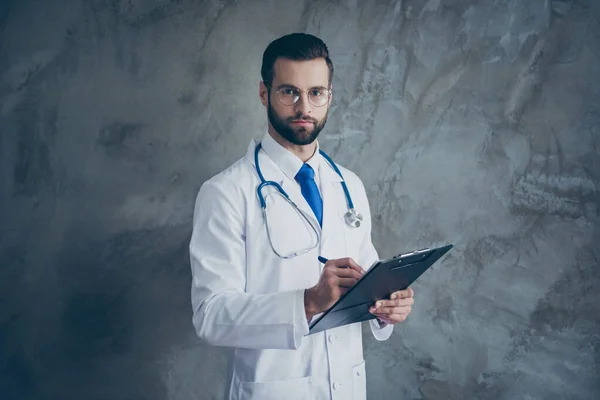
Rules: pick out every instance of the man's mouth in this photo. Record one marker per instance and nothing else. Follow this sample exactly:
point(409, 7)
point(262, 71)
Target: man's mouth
point(301, 122)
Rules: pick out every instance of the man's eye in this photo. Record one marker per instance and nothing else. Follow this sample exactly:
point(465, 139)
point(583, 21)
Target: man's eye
point(317, 93)
point(288, 91)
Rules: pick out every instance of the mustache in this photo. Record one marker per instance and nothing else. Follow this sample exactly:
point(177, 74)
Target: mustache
point(303, 118)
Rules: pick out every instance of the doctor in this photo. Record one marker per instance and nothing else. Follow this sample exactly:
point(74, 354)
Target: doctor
point(257, 280)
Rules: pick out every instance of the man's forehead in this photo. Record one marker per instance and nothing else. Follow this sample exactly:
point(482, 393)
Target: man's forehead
point(301, 74)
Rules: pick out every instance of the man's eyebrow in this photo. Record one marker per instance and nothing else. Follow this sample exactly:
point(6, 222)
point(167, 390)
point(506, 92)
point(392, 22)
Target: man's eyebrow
point(287, 85)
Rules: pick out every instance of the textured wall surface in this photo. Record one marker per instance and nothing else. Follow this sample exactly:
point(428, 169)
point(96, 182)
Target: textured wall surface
point(470, 122)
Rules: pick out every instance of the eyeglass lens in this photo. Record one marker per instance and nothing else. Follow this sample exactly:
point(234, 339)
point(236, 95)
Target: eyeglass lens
point(317, 96)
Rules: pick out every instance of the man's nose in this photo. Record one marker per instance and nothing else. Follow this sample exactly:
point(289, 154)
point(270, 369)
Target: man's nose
point(303, 105)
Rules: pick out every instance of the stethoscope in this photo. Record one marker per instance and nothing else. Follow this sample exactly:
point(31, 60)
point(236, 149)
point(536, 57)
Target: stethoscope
point(352, 217)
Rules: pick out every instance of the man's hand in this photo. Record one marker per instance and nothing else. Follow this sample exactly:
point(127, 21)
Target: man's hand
point(337, 277)
point(396, 309)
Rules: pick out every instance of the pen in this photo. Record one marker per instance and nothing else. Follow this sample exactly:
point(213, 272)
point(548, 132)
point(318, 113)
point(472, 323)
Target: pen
point(324, 260)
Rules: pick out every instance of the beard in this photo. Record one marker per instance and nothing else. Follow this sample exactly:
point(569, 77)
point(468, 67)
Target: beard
point(298, 135)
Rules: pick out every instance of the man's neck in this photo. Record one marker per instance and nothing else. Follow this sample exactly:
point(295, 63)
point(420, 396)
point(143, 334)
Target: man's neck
point(302, 152)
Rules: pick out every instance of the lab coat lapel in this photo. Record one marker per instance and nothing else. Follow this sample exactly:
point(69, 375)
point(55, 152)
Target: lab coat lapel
point(334, 201)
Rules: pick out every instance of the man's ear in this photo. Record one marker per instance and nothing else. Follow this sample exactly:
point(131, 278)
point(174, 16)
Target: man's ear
point(263, 94)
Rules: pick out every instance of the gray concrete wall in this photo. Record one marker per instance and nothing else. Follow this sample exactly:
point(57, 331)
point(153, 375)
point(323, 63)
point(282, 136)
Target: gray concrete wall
point(470, 122)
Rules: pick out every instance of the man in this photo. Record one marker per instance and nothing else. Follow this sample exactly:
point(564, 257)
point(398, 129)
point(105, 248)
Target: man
point(257, 280)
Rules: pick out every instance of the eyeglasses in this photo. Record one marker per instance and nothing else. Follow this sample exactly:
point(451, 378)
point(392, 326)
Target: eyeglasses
point(289, 95)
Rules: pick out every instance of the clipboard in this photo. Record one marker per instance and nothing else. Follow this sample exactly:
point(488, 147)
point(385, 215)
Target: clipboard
point(383, 278)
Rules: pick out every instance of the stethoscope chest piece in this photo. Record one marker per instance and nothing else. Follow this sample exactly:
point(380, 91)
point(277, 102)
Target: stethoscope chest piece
point(353, 218)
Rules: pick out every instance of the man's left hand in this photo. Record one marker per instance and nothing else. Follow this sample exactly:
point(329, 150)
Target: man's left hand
point(396, 309)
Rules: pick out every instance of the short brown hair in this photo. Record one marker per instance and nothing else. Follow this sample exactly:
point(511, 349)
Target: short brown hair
point(295, 46)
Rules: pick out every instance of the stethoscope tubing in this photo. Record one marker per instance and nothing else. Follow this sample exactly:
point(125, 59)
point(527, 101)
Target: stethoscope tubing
point(265, 183)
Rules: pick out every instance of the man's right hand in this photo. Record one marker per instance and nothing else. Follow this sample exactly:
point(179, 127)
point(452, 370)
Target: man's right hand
point(337, 277)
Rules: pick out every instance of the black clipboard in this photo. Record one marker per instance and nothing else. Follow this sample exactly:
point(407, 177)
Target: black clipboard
point(382, 279)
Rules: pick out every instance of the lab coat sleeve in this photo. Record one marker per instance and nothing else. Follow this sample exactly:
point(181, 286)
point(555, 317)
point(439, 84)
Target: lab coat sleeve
point(223, 313)
point(368, 256)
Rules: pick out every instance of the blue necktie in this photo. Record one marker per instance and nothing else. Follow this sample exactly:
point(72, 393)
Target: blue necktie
point(310, 191)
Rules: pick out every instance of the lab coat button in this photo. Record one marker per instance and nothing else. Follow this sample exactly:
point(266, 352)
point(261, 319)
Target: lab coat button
point(357, 373)
point(336, 385)
point(331, 338)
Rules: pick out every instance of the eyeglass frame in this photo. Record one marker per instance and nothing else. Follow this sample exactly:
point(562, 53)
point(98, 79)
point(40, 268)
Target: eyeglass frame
point(284, 86)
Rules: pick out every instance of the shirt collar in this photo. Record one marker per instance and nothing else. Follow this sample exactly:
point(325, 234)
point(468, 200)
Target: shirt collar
point(287, 161)
point(290, 164)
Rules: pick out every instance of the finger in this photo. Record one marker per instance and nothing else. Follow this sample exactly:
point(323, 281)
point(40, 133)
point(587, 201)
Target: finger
point(402, 302)
point(402, 294)
point(390, 306)
point(347, 273)
point(392, 310)
point(346, 282)
point(395, 303)
point(385, 318)
point(348, 263)
point(353, 264)
point(393, 318)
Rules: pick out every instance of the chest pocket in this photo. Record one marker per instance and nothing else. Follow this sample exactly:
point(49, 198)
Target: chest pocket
point(353, 238)
point(359, 382)
point(291, 389)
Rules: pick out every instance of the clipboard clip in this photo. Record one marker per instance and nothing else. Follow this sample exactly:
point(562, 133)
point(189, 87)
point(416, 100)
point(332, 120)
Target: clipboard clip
point(412, 253)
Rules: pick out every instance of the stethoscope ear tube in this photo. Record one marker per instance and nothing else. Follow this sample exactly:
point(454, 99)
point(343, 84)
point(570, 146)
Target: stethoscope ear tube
point(352, 217)
point(261, 198)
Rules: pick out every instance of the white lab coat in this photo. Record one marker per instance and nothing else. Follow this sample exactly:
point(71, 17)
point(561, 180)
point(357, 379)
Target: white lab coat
point(246, 298)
